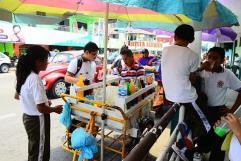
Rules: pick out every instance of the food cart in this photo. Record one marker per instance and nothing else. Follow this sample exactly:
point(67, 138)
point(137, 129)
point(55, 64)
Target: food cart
point(121, 114)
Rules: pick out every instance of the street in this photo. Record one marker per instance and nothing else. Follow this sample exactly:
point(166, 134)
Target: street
point(14, 142)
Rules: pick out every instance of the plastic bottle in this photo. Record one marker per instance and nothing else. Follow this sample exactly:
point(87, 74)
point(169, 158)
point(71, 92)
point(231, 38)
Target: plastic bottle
point(80, 83)
point(132, 87)
point(223, 129)
point(137, 84)
point(122, 91)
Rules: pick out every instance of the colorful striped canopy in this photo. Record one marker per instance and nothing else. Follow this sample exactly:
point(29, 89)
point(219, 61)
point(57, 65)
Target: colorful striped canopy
point(204, 14)
point(63, 8)
point(191, 8)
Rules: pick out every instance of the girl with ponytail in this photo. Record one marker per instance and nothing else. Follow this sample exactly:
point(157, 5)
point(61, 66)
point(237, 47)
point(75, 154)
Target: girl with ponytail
point(34, 102)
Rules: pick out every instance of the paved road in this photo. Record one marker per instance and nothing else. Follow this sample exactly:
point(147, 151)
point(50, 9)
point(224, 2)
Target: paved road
point(13, 142)
point(13, 138)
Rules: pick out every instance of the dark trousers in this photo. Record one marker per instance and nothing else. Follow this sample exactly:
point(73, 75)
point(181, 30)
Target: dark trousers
point(192, 118)
point(194, 121)
point(38, 131)
point(212, 142)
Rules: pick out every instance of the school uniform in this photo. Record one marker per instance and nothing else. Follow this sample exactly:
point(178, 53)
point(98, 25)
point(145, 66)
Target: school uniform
point(177, 64)
point(37, 125)
point(86, 68)
point(215, 86)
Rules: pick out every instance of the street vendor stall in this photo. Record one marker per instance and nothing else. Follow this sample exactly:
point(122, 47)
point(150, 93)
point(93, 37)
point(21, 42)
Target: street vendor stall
point(123, 114)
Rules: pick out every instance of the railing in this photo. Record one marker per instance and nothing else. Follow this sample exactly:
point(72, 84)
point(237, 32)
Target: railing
point(173, 137)
point(142, 148)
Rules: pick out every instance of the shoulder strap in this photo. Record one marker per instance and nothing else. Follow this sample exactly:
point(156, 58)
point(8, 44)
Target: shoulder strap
point(79, 65)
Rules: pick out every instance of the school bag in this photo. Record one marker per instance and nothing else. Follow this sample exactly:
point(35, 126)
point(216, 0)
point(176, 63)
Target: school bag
point(79, 65)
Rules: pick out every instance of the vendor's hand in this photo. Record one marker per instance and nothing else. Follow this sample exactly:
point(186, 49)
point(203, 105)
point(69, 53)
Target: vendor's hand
point(233, 123)
point(58, 109)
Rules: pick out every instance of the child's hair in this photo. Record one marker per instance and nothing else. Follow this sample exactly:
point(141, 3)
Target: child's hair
point(185, 32)
point(91, 47)
point(123, 48)
point(218, 50)
point(26, 63)
point(127, 52)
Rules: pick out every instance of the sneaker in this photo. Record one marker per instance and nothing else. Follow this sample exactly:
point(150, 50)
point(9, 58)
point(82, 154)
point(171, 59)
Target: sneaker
point(188, 143)
point(180, 152)
point(197, 156)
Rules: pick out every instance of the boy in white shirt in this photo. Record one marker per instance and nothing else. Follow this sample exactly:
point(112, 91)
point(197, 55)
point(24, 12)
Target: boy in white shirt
point(85, 65)
point(178, 65)
point(216, 81)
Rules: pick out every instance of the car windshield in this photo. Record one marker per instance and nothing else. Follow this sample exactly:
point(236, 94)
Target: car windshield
point(2, 55)
point(62, 58)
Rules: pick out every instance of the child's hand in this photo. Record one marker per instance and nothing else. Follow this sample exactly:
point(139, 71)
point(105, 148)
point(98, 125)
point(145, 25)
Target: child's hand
point(58, 109)
point(207, 65)
point(217, 123)
point(233, 123)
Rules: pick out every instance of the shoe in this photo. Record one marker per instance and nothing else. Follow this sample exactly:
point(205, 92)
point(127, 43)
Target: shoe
point(197, 156)
point(180, 152)
point(188, 143)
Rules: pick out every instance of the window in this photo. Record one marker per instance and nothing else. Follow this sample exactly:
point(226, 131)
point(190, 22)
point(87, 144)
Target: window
point(62, 58)
point(82, 25)
point(1, 55)
point(114, 36)
point(132, 37)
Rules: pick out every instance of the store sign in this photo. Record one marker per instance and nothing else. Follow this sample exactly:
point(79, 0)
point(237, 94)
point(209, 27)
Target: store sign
point(169, 40)
point(33, 35)
point(144, 44)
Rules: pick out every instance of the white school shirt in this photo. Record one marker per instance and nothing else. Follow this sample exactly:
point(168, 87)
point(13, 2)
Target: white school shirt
point(88, 69)
point(217, 84)
point(32, 93)
point(177, 63)
point(235, 149)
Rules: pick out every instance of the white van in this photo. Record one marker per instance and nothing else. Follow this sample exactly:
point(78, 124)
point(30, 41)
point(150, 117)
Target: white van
point(5, 63)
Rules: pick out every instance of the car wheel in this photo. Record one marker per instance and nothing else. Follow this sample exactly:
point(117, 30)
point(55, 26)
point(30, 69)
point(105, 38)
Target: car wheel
point(4, 68)
point(58, 88)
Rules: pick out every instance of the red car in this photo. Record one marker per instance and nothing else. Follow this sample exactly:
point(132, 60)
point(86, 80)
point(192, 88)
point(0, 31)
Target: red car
point(53, 76)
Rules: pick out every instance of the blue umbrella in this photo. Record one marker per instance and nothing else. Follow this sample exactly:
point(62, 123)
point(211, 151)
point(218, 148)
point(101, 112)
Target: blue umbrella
point(191, 8)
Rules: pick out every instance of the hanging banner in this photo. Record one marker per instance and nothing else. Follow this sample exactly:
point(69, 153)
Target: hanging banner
point(15, 33)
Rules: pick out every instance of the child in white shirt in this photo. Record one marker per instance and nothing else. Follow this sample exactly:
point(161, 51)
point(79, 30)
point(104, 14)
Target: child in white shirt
point(34, 102)
point(216, 81)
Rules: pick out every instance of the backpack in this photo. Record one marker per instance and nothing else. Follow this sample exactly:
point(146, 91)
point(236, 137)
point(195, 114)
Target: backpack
point(79, 65)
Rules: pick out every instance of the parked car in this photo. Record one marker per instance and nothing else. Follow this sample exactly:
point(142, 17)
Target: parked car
point(51, 55)
point(5, 63)
point(53, 76)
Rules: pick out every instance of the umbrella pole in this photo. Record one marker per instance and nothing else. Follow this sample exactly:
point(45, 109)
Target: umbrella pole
point(104, 81)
